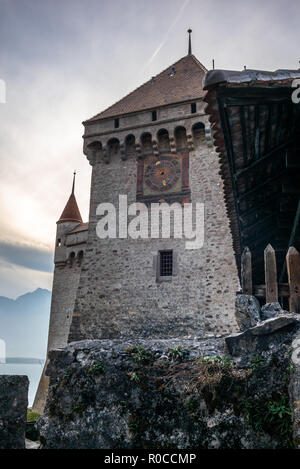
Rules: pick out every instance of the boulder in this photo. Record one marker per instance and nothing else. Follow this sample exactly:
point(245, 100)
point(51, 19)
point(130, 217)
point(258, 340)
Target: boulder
point(261, 336)
point(247, 310)
point(271, 310)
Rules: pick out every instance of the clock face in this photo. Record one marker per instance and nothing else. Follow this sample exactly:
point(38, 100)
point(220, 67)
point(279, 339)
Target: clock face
point(162, 174)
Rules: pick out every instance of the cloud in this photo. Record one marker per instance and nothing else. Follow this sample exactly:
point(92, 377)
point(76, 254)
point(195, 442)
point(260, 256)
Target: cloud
point(65, 61)
point(26, 256)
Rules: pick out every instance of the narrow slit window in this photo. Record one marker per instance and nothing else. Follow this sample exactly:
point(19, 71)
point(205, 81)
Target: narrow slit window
point(166, 263)
point(154, 115)
point(117, 123)
point(193, 108)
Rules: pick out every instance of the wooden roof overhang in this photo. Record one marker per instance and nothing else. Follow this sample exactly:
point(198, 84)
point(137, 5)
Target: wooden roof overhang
point(256, 131)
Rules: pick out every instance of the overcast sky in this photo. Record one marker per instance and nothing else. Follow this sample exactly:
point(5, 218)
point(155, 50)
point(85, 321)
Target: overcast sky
point(63, 61)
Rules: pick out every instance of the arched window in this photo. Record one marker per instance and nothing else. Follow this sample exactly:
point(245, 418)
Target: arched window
point(130, 145)
point(71, 259)
point(180, 138)
point(113, 146)
point(198, 131)
point(146, 143)
point(163, 141)
point(79, 257)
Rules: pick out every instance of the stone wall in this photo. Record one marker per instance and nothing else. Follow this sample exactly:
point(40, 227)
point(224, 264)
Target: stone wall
point(118, 295)
point(13, 411)
point(65, 283)
point(168, 394)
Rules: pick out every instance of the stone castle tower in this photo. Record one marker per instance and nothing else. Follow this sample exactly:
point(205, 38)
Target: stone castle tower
point(152, 146)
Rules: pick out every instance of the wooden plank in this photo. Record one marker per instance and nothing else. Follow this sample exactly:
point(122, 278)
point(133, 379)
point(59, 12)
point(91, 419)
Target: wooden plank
point(270, 275)
point(293, 269)
point(292, 238)
point(283, 290)
point(246, 272)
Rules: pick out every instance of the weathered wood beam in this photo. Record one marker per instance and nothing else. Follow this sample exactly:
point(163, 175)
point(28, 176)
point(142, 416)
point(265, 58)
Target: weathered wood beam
point(292, 237)
point(283, 290)
point(260, 205)
point(258, 222)
point(292, 159)
point(270, 275)
point(259, 186)
point(293, 269)
point(246, 272)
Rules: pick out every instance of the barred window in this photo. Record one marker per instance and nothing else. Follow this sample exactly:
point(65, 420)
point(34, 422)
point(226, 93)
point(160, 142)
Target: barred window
point(166, 263)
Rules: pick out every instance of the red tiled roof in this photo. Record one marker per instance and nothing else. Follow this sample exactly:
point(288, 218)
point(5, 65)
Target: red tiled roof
point(164, 89)
point(71, 211)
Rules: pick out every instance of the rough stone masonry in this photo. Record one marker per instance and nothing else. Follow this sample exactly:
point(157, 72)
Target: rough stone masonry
point(13, 411)
point(177, 393)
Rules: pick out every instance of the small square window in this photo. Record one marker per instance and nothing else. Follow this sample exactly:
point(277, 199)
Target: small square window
point(166, 263)
point(193, 108)
point(117, 123)
point(154, 115)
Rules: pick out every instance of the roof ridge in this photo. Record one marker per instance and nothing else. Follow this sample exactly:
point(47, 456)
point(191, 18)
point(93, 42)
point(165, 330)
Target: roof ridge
point(157, 76)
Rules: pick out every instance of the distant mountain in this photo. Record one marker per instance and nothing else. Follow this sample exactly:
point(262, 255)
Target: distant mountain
point(24, 324)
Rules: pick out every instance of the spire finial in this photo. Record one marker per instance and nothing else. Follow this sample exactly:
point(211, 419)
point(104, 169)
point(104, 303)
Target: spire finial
point(73, 186)
point(190, 41)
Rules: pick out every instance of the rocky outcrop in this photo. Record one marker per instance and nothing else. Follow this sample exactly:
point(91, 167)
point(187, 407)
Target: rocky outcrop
point(266, 334)
point(13, 411)
point(172, 394)
point(295, 387)
point(247, 311)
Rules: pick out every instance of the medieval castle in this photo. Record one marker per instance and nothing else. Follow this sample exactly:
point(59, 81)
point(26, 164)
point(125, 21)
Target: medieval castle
point(153, 146)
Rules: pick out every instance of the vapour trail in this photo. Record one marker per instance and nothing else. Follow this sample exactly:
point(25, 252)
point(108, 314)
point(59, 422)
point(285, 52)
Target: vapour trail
point(177, 18)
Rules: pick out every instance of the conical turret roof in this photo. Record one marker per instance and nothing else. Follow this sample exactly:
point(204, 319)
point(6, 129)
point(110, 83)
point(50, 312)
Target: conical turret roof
point(71, 211)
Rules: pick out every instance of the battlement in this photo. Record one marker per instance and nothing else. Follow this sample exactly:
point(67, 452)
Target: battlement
point(175, 128)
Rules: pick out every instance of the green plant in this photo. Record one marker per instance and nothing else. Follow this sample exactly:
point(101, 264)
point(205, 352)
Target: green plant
point(139, 353)
point(279, 409)
point(32, 416)
point(178, 353)
point(66, 377)
point(257, 362)
point(270, 416)
point(225, 362)
point(96, 368)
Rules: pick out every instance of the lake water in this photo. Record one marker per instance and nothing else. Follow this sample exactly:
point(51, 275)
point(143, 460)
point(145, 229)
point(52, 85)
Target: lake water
point(33, 371)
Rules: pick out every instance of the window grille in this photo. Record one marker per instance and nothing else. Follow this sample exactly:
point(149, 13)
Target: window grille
point(166, 263)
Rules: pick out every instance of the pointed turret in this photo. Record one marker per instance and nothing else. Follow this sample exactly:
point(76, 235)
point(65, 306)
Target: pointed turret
point(71, 211)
